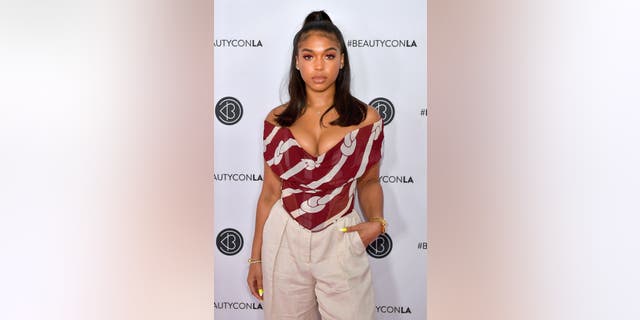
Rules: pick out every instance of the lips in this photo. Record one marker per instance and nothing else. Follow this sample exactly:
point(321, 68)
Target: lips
point(318, 79)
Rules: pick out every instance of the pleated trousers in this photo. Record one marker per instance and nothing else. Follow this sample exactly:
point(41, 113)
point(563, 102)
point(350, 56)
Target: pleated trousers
point(314, 275)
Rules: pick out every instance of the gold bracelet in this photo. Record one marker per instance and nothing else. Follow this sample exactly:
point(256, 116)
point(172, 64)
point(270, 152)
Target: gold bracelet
point(382, 221)
point(252, 261)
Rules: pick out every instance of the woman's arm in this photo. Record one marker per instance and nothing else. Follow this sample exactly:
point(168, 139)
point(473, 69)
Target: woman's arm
point(370, 198)
point(271, 191)
point(370, 195)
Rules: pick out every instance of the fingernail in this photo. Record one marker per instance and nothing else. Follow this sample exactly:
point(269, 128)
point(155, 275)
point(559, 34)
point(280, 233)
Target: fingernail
point(343, 229)
point(260, 292)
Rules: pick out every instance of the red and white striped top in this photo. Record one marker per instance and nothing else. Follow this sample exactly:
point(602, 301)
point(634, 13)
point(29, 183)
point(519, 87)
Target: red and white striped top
point(316, 191)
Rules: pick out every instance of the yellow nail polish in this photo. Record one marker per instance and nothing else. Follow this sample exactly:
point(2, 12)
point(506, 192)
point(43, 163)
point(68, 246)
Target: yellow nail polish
point(343, 229)
point(260, 292)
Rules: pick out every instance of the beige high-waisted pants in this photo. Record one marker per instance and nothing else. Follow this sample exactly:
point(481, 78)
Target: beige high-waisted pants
point(308, 275)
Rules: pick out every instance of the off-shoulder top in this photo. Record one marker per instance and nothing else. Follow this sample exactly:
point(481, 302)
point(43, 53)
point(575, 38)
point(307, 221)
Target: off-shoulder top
point(317, 190)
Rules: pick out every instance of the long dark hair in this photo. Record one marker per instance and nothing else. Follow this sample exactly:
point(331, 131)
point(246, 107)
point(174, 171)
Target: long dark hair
point(351, 111)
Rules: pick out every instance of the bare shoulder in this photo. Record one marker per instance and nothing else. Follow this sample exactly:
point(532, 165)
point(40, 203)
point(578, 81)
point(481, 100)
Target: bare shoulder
point(372, 116)
point(271, 117)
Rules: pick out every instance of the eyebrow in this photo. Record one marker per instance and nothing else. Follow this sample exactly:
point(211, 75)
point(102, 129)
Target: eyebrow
point(328, 49)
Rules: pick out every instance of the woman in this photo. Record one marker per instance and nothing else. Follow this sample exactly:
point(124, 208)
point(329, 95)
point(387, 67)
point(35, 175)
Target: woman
point(320, 147)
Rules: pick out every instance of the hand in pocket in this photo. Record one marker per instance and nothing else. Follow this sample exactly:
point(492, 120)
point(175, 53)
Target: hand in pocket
point(367, 231)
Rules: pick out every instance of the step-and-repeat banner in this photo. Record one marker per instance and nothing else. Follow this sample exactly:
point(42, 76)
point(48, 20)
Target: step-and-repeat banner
point(387, 47)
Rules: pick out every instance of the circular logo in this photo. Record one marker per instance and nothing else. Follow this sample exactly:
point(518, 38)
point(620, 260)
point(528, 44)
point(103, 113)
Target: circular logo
point(380, 247)
point(385, 109)
point(228, 110)
point(229, 241)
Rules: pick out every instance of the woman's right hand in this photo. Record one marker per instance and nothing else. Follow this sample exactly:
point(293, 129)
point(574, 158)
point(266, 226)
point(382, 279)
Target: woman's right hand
point(254, 279)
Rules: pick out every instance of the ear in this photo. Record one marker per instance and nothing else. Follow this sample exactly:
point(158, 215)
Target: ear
point(341, 60)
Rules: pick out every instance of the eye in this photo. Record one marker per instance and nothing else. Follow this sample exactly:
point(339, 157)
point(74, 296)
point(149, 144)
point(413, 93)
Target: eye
point(307, 57)
point(330, 56)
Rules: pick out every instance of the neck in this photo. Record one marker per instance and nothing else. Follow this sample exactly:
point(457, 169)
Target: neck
point(320, 100)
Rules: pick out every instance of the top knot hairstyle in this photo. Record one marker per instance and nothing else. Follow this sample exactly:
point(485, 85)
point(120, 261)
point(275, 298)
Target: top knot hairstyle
point(351, 111)
point(317, 16)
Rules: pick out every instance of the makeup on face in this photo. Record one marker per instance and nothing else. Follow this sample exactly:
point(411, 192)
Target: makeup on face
point(319, 61)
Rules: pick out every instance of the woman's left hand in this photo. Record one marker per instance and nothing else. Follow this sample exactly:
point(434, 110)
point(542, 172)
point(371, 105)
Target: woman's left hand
point(368, 231)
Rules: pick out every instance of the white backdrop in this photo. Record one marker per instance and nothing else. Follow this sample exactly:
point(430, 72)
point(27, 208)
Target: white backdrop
point(387, 48)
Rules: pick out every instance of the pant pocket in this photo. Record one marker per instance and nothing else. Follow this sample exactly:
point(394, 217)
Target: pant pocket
point(354, 243)
point(356, 246)
point(273, 225)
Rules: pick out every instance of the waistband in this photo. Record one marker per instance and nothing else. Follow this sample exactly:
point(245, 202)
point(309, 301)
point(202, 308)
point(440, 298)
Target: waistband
point(323, 226)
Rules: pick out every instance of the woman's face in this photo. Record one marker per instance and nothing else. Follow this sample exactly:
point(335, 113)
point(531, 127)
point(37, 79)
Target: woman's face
point(319, 60)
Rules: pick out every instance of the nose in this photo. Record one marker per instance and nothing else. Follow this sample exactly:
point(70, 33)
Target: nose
point(318, 64)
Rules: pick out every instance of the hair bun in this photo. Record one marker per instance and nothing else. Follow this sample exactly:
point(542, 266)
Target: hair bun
point(317, 16)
